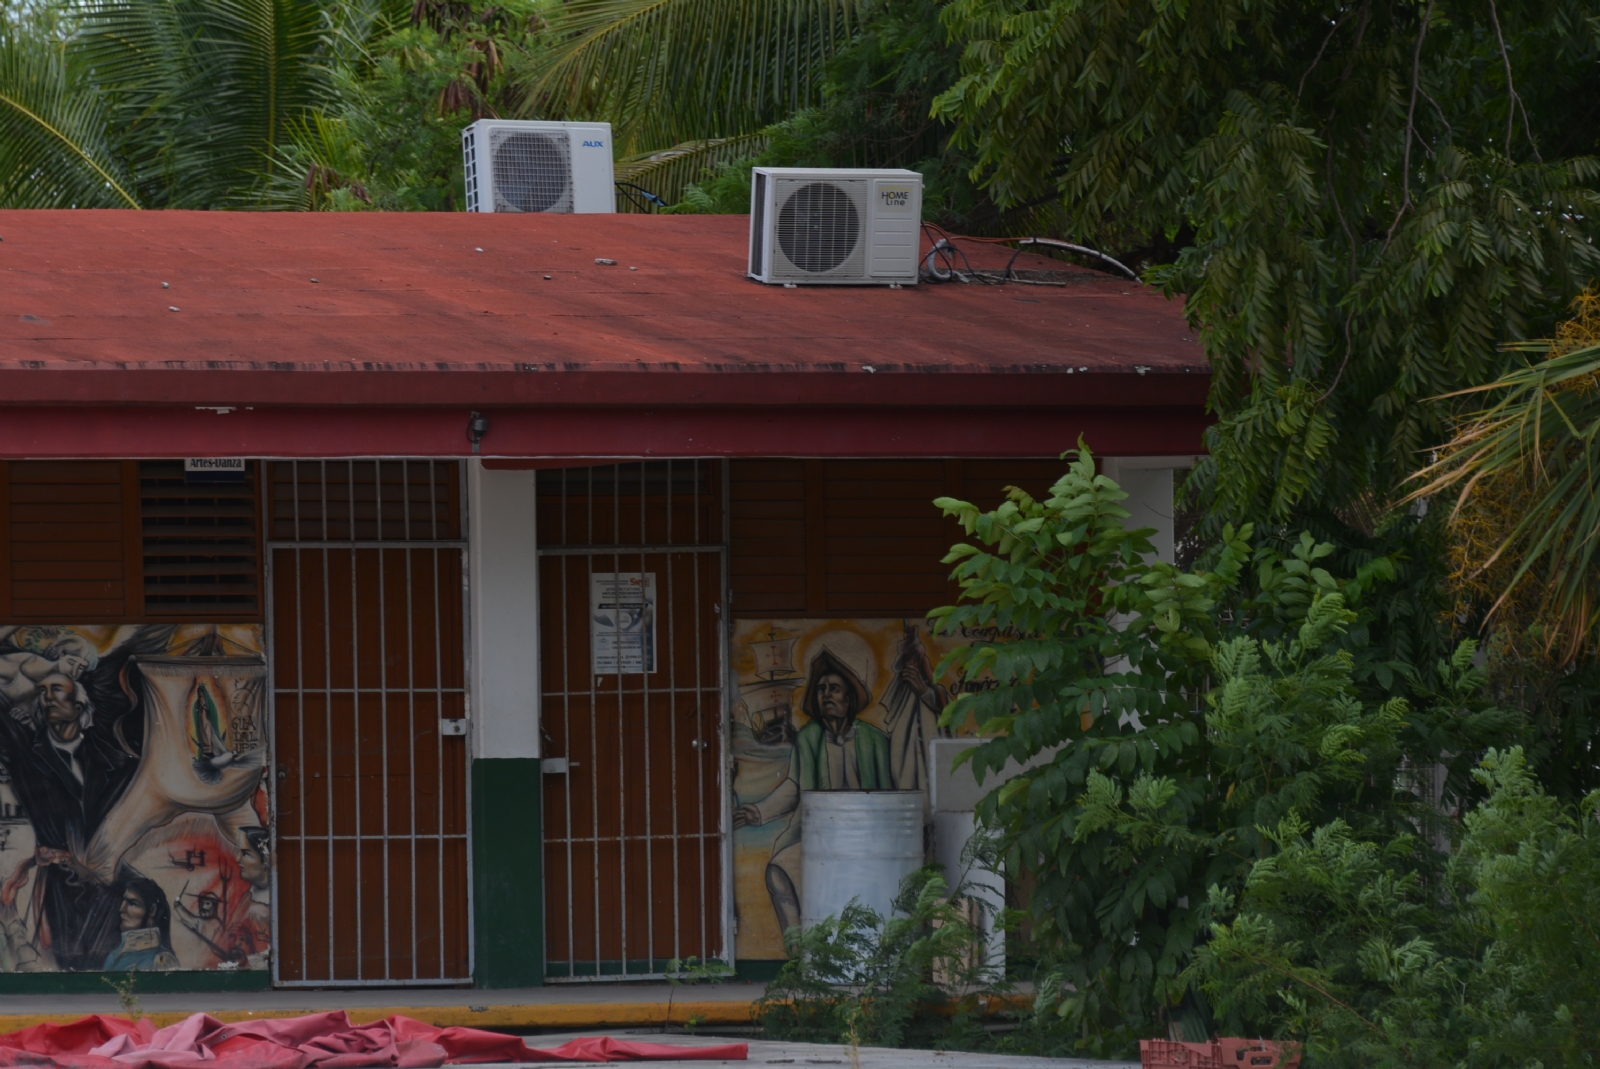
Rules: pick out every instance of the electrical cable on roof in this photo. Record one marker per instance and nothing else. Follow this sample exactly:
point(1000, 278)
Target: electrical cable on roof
point(1070, 247)
point(944, 250)
point(640, 197)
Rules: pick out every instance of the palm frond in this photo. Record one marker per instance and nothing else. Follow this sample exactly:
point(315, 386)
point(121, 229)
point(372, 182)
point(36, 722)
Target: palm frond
point(1525, 473)
point(55, 144)
point(320, 168)
point(206, 90)
point(664, 72)
point(668, 172)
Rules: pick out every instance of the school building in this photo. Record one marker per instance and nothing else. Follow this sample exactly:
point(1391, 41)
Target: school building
point(438, 599)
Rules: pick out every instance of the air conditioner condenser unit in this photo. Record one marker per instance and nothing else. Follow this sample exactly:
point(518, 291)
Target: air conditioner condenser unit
point(835, 226)
point(525, 166)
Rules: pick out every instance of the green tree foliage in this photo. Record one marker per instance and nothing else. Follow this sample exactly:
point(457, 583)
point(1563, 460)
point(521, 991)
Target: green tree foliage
point(1336, 941)
point(873, 110)
point(180, 104)
point(679, 72)
point(1163, 718)
point(252, 103)
point(55, 144)
point(1378, 196)
point(201, 92)
point(391, 137)
point(863, 98)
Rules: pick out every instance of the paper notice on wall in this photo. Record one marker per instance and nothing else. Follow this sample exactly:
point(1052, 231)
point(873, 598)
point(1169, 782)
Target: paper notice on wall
point(622, 623)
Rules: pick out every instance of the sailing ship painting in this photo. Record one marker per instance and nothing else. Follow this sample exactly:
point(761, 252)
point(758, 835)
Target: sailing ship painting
point(766, 703)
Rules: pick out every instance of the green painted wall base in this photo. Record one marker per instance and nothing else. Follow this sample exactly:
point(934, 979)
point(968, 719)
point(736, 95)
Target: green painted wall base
point(757, 971)
point(508, 871)
point(145, 983)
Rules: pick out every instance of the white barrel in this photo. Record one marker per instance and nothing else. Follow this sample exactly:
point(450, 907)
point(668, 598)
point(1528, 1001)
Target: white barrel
point(856, 845)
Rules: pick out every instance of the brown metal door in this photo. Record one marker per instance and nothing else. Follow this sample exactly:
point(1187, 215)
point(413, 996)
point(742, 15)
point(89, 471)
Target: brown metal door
point(632, 716)
point(368, 660)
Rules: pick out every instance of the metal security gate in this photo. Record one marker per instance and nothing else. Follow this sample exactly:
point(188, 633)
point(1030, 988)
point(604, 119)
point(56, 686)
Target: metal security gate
point(631, 589)
point(366, 590)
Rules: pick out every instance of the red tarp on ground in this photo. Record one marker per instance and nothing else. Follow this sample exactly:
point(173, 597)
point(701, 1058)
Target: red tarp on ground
point(322, 1040)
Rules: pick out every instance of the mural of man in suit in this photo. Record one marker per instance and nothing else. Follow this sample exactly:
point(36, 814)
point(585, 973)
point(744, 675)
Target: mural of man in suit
point(835, 751)
point(67, 771)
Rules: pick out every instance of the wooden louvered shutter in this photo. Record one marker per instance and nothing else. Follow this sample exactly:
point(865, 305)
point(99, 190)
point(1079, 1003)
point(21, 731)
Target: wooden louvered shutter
point(125, 541)
point(200, 544)
point(855, 538)
point(67, 555)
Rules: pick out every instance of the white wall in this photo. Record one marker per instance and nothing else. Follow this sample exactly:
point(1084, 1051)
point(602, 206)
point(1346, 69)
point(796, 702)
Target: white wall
point(503, 575)
point(1148, 482)
point(953, 795)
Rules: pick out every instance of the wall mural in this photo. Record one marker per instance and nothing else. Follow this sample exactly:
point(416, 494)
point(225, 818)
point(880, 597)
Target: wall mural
point(133, 805)
point(821, 704)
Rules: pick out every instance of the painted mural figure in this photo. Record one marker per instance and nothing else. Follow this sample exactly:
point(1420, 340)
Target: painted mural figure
point(146, 936)
point(23, 669)
point(836, 750)
point(131, 763)
point(68, 766)
point(248, 935)
point(823, 705)
point(912, 704)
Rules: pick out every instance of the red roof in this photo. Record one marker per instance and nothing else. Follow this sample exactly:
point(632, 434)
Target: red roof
point(422, 310)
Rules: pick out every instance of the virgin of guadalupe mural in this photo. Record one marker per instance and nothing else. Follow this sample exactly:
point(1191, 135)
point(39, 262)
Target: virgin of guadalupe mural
point(133, 812)
point(824, 705)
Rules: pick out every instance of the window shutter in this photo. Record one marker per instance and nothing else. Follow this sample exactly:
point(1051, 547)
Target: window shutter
point(66, 543)
point(201, 547)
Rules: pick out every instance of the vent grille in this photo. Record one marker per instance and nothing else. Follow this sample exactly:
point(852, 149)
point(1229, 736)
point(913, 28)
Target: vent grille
point(532, 170)
point(469, 164)
point(200, 543)
point(758, 218)
point(818, 227)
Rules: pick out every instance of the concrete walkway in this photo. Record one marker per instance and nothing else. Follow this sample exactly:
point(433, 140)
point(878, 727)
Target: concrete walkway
point(806, 1055)
point(558, 1006)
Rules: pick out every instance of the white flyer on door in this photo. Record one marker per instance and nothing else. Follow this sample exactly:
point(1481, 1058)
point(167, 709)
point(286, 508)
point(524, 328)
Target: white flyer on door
point(622, 622)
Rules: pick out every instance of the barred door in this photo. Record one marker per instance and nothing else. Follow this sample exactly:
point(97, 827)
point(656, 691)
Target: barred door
point(631, 582)
point(368, 666)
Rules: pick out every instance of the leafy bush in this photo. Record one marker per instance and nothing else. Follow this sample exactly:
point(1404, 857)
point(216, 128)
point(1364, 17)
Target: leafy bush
point(1162, 718)
point(1337, 942)
point(911, 979)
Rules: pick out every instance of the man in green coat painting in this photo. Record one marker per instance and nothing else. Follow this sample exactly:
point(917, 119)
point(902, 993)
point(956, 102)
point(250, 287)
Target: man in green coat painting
point(834, 752)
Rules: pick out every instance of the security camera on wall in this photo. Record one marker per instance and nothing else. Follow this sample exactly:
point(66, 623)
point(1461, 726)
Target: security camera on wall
point(527, 166)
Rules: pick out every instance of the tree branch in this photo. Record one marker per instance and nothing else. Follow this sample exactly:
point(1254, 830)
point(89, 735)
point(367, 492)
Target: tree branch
point(1511, 88)
point(1411, 121)
point(1336, 24)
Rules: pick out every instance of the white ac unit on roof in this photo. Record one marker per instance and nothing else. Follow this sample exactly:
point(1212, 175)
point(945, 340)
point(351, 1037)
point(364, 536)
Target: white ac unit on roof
point(522, 166)
point(834, 226)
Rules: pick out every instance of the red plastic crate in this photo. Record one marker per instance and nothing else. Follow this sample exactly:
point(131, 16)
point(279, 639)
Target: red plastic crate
point(1169, 1054)
point(1229, 1053)
point(1258, 1054)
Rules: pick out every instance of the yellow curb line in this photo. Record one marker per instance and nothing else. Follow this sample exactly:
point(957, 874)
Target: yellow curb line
point(570, 1015)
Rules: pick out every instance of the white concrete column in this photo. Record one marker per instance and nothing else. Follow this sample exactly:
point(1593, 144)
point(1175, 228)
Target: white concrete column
point(953, 796)
point(1149, 484)
point(503, 574)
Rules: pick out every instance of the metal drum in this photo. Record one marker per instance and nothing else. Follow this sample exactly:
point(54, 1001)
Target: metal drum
point(857, 845)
